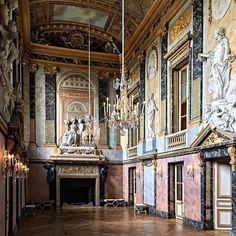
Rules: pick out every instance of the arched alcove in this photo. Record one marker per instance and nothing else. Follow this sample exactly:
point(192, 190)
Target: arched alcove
point(73, 99)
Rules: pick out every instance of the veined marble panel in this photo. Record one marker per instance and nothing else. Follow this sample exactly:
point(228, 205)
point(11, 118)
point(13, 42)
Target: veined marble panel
point(40, 110)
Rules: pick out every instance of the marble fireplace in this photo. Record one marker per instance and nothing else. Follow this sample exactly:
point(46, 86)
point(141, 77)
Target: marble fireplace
point(77, 184)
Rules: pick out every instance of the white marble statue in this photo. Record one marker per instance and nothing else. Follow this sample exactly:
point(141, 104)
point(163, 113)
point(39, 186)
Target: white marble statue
point(221, 113)
point(219, 59)
point(151, 111)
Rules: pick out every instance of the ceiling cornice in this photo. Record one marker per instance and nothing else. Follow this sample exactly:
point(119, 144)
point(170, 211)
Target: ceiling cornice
point(73, 66)
point(73, 53)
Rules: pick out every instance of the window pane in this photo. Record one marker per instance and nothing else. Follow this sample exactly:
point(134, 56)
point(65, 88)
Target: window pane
point(183, 76)
point(179, 174)
point(179, 192)
point(183, 92)
point(183, 109)
point(183, 123)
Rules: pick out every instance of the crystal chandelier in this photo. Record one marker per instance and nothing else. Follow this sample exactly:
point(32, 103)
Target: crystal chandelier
point(124, 113)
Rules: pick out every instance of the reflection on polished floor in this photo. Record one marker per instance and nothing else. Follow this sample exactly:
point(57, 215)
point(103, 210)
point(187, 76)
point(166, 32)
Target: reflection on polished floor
point(104, 221)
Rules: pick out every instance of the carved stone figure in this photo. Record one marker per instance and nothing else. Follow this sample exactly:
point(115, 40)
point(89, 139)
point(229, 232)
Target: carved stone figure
point(78, 133)
point(111, 47)
point(51, 175)
point(151, 110)
point(219, 59)
point(221, 112)
point(8, 53)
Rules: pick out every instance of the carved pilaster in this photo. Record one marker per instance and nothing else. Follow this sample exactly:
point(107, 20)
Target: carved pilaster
point(231, 151)
point(50, 104)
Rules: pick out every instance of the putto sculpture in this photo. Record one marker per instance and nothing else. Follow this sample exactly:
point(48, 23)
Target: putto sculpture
point(221, 112)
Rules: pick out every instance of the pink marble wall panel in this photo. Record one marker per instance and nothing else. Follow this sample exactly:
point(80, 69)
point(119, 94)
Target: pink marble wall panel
point(2, 187)
point(162, 186)
point(114, 182)
point(38, 188)
point(192, 189)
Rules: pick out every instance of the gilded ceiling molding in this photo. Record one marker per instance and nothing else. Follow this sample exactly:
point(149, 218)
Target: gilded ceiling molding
point(152, 26)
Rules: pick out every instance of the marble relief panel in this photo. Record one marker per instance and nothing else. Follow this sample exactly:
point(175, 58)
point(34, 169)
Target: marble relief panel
point(40, 110)
point(152, 81)
point(228, 23)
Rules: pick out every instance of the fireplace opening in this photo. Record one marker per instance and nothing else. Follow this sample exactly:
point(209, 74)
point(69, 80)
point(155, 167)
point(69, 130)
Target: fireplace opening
point(77, 191)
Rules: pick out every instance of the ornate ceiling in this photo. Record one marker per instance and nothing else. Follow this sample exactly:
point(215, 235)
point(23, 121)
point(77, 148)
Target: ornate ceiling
point(65, 23)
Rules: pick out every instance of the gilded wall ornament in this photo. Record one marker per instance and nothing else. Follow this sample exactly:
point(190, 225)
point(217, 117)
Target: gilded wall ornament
point(73, 170)
point(212, 139)
point(181, 24)
point(219, 8)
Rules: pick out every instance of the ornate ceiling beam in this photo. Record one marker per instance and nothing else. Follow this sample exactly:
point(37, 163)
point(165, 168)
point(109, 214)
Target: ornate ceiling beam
point(74, 66)
point(73, 53)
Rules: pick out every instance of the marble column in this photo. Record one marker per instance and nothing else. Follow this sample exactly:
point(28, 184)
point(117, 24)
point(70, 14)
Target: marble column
point(197, 66)
point(103, 94)
point(112, 133)
point(232, 155)
point(164, 42)
point(32, 71)
point(203, 191)
point(50, 105)
point(141, 130)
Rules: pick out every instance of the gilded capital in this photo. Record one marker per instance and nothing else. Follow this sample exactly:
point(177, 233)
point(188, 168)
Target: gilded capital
point(50, 70)
point(33, 67)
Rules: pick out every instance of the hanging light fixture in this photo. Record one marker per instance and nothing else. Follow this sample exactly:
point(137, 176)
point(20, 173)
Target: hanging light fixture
point(124, 113)
point(92, 137)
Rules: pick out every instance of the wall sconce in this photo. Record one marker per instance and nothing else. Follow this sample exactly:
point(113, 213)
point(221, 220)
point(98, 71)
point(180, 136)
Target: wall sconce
point(190, 170)
point(159, 171)
point(21, 168)
point(9, 162)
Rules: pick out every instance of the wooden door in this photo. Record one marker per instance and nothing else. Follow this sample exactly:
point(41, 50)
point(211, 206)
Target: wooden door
point(222, 195)
point(179, 190)
point(132, 185)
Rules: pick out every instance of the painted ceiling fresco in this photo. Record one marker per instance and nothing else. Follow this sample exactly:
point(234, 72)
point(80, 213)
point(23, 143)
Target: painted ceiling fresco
point(57, 22)
point(80, 15)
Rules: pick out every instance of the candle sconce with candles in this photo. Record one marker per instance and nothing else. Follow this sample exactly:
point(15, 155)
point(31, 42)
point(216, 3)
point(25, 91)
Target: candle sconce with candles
point(21, 169)
point(9, 163)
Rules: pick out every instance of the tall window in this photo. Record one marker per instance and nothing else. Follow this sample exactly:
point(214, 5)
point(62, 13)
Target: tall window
point(180, 98)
